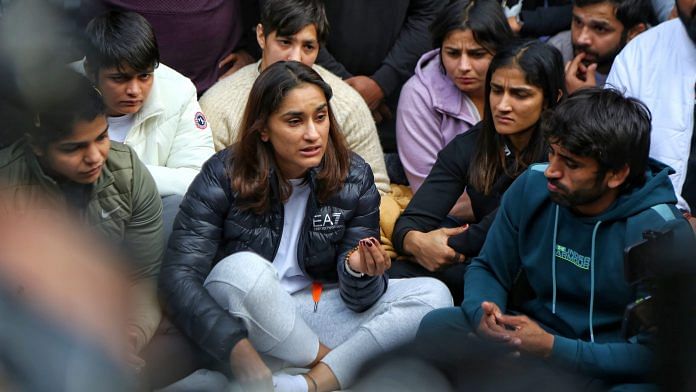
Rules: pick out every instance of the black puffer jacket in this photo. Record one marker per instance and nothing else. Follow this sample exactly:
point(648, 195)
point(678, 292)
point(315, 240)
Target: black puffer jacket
point(210, 227)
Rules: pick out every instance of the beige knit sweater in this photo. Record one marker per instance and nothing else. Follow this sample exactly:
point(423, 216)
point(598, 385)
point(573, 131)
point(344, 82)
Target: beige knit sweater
point(225, 101)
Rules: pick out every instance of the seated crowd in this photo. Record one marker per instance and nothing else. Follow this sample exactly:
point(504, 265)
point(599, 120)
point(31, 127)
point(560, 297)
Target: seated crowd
point(345, 189)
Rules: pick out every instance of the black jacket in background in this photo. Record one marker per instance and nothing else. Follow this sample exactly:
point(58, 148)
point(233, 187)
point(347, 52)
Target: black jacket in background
point(544, 17)
point(382, 39)
point(440, 191)
point(210, 227)
point(546, 21)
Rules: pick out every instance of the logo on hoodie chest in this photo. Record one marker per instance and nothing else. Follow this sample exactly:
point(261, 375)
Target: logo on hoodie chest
point(573, 257)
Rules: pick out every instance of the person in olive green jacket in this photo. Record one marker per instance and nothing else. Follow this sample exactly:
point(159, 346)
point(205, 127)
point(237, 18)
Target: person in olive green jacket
point(66, 161)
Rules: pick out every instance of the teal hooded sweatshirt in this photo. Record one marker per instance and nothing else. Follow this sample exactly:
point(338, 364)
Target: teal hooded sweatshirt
point(575, 267)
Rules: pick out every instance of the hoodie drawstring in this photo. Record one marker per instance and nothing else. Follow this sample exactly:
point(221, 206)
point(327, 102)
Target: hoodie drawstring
point(592, 257)
point(592, 270)
point(553, 262)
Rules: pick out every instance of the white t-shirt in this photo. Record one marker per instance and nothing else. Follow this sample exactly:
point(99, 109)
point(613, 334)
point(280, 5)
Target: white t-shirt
point(120, 126)
point(291, 277)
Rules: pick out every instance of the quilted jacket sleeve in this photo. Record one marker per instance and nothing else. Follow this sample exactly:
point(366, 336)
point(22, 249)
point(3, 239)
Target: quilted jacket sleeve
point(189, 259)
point(191, 146)
point(359, 294)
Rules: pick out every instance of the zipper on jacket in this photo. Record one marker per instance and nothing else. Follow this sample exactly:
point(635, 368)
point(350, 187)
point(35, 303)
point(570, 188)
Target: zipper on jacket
point(274, 189)
point(317, 287)
point(280, 228)
point(311, 201)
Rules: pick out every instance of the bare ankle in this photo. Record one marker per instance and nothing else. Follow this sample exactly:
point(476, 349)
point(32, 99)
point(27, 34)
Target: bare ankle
point(311, 383)
point(323, 350)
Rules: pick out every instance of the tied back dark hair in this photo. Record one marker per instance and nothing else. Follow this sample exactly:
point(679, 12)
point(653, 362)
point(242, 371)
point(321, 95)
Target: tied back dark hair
point(54, 119)
point(484, 18)
point(252, 159)
point(116, 39)
point(542, 66)
point(287, 17)
point(604, 125)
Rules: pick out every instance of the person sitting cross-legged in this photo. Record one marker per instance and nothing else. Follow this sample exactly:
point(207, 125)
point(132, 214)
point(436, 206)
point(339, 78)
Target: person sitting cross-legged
point(562, 227)
point(274, 255)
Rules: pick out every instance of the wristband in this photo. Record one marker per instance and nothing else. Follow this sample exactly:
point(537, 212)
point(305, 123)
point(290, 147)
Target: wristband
point(349, 270)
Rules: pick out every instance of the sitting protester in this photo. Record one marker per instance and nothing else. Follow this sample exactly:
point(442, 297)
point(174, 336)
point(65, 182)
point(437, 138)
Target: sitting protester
point(524, 79)
point(599, 31)
point(67, 161)
point(150, 107)
point(274, 253)
point(293, 30)
point(561, 231)
point(203, 40)
point(446, 95)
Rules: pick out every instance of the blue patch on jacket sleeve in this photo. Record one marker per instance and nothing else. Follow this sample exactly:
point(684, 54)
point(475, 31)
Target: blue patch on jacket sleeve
point(664, 211)
point(540, 167)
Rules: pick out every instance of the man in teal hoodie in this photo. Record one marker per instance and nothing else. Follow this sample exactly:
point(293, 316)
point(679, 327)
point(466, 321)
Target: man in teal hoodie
point(564, 226)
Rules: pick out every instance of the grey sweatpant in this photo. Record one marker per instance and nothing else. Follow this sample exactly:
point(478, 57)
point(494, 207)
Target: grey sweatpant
point(285, 326)
point(170, 207)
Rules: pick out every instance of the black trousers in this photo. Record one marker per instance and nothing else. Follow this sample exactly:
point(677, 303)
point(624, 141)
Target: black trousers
point(452, 276)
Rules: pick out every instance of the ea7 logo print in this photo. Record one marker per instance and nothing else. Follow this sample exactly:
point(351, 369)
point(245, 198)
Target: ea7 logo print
point(327, 221)
point(201, 122)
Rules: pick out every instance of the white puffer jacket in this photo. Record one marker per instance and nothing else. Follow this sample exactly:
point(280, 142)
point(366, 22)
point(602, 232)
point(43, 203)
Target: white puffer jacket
point(170, 133)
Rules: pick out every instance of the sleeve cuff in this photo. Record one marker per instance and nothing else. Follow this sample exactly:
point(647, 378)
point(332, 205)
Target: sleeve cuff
point(387, 79)
point(564, 351)
point(398, 239)
point(222, 353)
point(473, 318)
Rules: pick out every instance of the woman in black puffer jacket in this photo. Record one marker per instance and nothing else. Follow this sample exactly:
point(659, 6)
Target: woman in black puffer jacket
point(274, 249)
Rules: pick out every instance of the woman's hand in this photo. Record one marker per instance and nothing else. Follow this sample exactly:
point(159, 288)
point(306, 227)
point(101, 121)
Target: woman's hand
point(370, 258)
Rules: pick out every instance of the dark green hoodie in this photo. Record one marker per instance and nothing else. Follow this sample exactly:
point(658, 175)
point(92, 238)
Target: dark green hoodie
point(574, 265)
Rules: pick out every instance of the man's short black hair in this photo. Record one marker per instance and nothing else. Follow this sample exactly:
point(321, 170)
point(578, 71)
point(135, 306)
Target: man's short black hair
point(54, 118)
point(604, 125)
point(287, 17)
point(628, 12)
point(116, 39)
